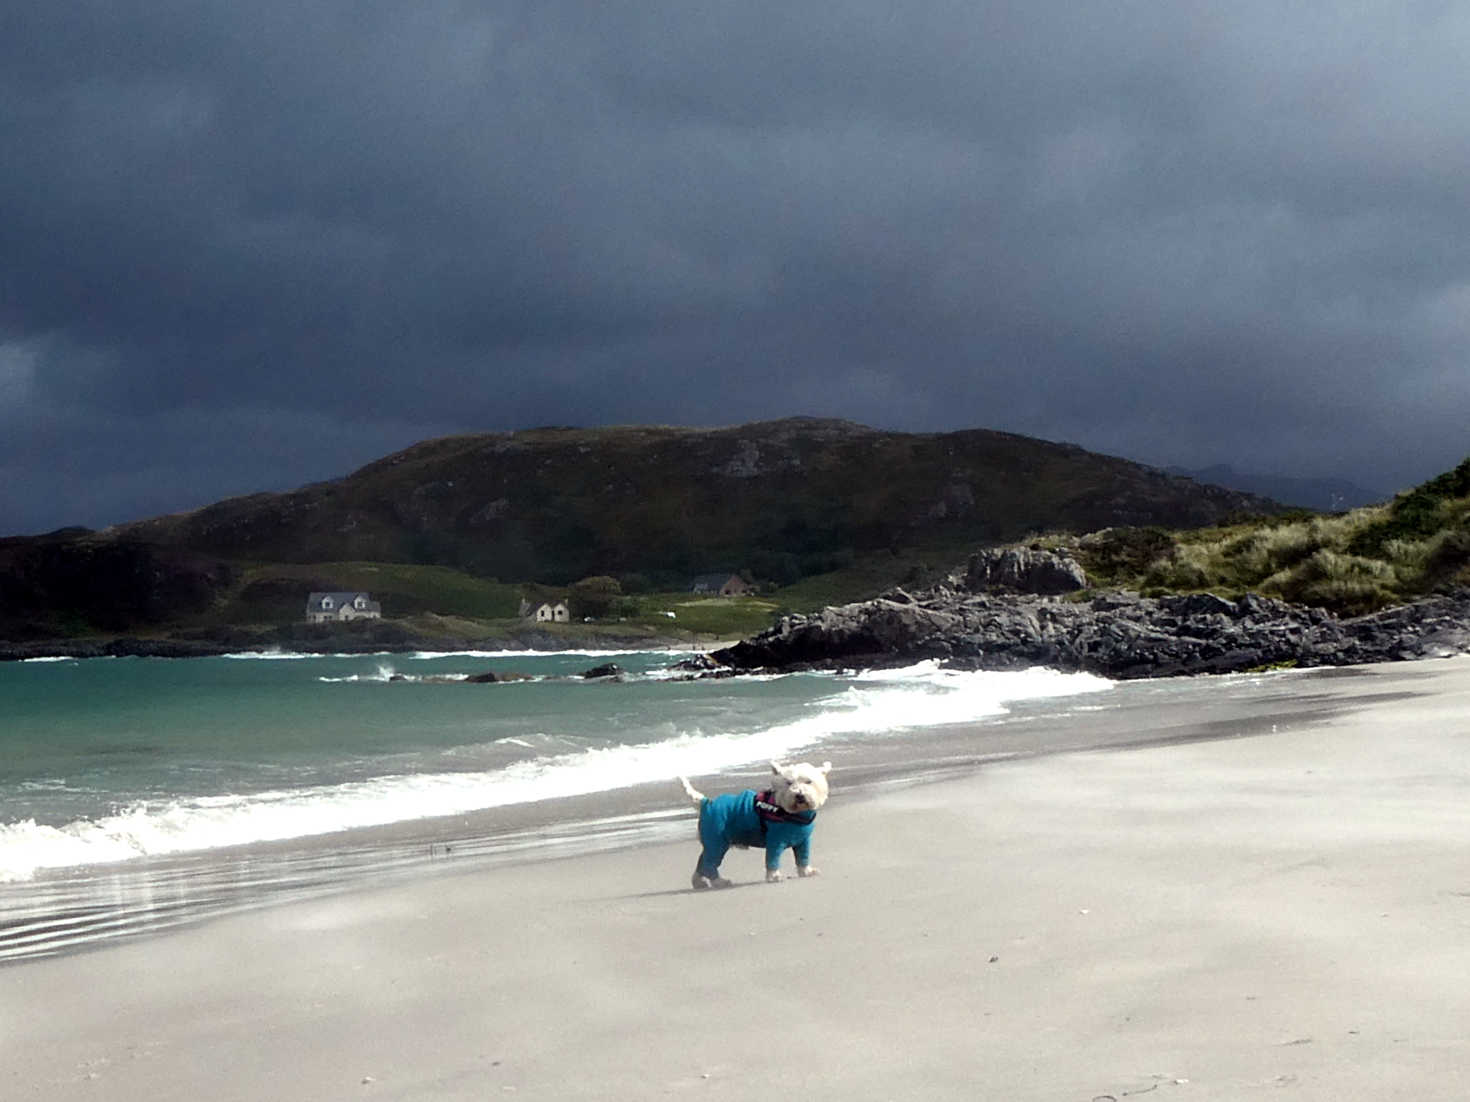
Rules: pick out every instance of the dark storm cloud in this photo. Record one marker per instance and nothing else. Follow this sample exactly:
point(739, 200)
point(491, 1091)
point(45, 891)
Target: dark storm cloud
point(243, 246)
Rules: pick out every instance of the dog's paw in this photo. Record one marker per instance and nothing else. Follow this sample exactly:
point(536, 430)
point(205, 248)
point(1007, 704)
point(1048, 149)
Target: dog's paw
point(773, 875)
point(700, 883)
point(808, 870)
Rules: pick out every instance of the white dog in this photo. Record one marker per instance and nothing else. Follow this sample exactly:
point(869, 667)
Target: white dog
point(778, 819)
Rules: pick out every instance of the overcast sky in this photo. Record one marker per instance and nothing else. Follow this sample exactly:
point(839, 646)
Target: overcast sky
point(246, 246)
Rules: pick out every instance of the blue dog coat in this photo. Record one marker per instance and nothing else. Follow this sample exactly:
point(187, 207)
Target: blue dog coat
point(752, 819)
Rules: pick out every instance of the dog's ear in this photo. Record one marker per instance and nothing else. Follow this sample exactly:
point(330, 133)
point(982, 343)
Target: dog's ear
point(825, 768)
point(776, 768)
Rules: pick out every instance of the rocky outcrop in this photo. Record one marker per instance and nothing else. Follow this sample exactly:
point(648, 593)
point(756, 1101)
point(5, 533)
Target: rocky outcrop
point(1024, 570)
point(1120, 635)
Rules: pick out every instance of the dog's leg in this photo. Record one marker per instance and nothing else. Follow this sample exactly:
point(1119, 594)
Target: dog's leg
point(707, 872)
point(713, 845)
point(775, 876)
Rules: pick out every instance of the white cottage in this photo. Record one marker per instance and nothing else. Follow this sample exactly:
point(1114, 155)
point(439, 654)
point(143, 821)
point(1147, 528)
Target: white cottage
point(342, 606)
point(549, 613)
point(726, 585)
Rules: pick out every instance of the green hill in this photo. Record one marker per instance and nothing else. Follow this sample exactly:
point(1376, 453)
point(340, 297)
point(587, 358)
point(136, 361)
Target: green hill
point(454, 526)
point(782, 499)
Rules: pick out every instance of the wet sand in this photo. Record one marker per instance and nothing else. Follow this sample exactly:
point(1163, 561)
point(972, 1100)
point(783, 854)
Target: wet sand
point(1276, 913)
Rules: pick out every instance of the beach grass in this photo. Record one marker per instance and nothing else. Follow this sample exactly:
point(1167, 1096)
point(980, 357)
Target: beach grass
point(1351, 563)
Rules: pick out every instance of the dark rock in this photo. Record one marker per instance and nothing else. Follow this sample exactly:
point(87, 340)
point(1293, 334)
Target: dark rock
point(1024, 571)
point(1199, 604)
point(129, 647)
point(1253, 604)
point(609, 669)
point(699, 663)
point(1118, 598)
point(707, 675)
point(1116, 635)
point(492, 677)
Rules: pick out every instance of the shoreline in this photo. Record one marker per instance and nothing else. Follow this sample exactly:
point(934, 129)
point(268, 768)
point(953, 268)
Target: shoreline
point(1206, 917)
point(131, 647)
point(367, 637)
point(92, 907)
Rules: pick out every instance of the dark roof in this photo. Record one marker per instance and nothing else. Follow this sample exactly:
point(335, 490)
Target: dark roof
point(343, 597)
point(712, 581)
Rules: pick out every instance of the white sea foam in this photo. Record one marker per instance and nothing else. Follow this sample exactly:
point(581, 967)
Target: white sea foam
point(383, 673)
point(876, 702)
point(430, 655)
point(275, 654)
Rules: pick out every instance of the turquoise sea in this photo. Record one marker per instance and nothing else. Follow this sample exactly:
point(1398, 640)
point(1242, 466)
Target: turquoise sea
point(137, 792)
point(140, 793)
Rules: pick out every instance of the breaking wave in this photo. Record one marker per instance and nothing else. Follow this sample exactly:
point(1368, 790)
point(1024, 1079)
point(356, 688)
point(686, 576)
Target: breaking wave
point(877, 704)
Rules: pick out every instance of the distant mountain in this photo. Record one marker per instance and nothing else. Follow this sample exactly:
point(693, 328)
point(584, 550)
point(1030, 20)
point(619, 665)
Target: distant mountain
point(557, 504)
point(1325, 495)
point(781, 499)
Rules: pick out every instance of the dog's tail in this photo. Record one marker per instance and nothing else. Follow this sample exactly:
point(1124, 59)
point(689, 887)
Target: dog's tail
point(694, 793)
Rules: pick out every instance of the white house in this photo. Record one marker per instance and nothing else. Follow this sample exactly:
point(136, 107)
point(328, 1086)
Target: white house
point(548, 613)
point(341, 606)
point(726, 585)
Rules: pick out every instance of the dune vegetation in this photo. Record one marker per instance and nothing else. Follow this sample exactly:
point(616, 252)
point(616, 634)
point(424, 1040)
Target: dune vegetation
point(1349, 563)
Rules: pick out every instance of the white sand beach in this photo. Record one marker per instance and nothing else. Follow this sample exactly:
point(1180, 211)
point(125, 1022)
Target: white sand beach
point(1285, 915)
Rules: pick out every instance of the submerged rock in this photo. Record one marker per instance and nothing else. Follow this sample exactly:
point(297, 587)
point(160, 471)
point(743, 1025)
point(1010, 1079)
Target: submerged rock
point(697, 663)
point(609, 669)
point(491, 677)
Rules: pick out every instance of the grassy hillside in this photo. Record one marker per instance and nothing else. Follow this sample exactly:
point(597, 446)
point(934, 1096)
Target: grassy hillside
point(784, 500)
point(1350, 563)
point(816, 511)
point(276, 592)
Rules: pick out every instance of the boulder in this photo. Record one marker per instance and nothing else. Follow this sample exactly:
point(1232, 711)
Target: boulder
point(1024, 570)
point(698, 663)
point(1199, 604)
